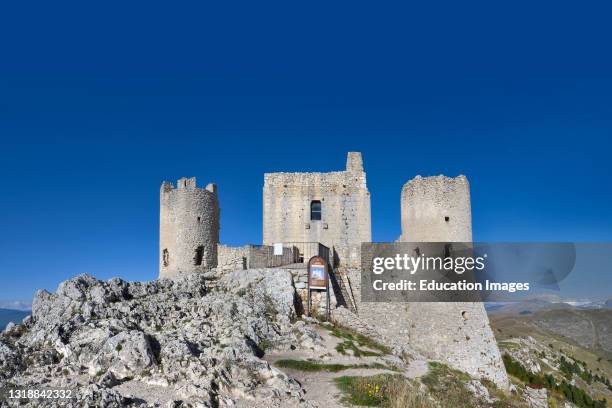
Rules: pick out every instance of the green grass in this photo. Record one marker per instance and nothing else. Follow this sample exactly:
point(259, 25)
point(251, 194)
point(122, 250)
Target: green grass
point(365, 391)
point(350, 338)
point(508, 345)
point(570, 391)
point(265, 344)
point(346, 345)
point(385, 391)
point(305, 365)
point(502, 399)
point(448, 386)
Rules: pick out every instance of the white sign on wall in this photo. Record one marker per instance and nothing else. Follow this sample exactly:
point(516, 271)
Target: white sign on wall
point(278, 248)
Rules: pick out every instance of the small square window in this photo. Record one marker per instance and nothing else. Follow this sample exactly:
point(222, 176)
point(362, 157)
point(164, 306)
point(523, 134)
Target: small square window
point(446, 219)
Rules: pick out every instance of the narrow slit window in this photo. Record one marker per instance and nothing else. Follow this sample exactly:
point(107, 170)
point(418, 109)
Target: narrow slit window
point(199, 255)
point(315, 210)
point(165, 257)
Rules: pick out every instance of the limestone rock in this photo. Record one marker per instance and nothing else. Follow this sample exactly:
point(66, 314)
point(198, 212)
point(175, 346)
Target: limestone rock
point(536, 397)
point(479, 390)
point(124, 355)
point(194, 341)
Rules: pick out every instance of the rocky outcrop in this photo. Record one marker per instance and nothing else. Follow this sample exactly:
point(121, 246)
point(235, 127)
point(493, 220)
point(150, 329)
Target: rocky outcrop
point(194, 341)
point(536, 397)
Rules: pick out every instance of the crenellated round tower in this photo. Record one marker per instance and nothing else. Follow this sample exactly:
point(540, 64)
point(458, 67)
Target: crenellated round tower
point(188, 227)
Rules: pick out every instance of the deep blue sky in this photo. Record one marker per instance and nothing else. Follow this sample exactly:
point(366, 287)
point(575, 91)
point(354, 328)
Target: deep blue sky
point(101, 102)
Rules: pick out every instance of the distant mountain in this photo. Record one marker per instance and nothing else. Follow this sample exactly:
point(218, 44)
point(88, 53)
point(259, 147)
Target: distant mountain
point(10, 315)
point(524, 307)
point(538, 305)
point(23, 305)
point(604, 304)
point(588, 327)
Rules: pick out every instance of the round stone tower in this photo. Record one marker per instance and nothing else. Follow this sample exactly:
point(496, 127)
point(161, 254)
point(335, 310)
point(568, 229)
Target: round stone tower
point(188, 228)
point(437, 209)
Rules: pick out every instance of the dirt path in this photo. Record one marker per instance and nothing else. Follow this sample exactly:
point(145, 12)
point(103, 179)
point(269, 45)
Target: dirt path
point(319, 385)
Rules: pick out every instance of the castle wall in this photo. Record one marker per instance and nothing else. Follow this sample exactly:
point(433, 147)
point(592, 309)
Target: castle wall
point(456, 333)
point(189, 228)
point(253, 257)
point(232, 258)
point(345, 201)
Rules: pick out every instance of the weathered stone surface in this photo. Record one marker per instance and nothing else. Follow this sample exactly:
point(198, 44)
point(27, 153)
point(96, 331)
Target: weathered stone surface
point(124, 355)
point(232, 258)
point(345, 207)
point(536, 397)
point(479, 390)
point(10, 360)
point(193, 341)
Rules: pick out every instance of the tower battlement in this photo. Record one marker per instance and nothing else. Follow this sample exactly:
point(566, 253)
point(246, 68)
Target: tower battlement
point(186, 183)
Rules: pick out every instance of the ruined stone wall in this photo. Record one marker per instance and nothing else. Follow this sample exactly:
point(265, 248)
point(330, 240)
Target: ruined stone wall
point(345, 203)
point(253, 257)
point(262, 256)
point(232, 258)
point(188, 228)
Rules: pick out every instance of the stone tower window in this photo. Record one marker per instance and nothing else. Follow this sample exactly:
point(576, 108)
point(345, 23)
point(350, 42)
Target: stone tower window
point(199, 255)
point(165, 257)
point(315, 210)
point(446, 219)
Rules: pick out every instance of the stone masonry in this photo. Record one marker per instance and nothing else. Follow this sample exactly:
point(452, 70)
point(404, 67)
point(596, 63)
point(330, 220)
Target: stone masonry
point(344, 199)
point(437, 209)
point(188, 228)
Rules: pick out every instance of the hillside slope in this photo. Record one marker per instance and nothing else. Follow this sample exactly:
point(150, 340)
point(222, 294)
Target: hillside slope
point(564, 343)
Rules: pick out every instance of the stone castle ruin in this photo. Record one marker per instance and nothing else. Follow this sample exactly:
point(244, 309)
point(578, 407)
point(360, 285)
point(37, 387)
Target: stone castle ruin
point(328, 214)
point(188, 227)
point(330, 208)
point(438, 209)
